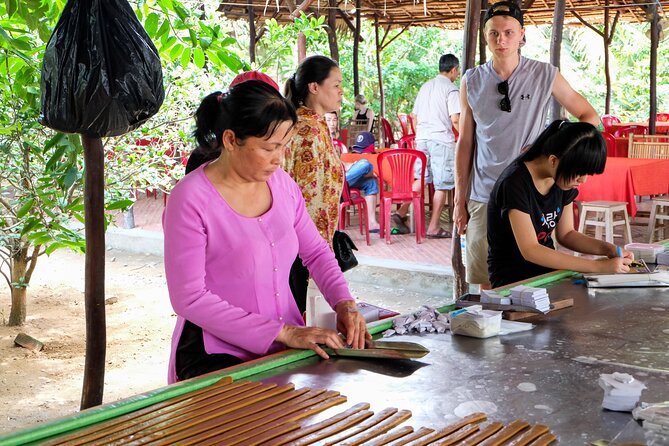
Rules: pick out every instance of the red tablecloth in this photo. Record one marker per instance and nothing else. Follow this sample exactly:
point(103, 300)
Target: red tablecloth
point(624, 179)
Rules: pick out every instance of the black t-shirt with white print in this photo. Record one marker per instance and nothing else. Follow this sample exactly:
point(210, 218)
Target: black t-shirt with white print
point(514, 189)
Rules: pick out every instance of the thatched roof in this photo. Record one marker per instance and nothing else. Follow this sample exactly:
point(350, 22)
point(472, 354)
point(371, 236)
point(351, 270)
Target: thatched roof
point(443, 13)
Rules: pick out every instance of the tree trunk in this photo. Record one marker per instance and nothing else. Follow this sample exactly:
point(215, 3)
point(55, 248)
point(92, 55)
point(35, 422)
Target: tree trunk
point(94, 288)
point(301, 47)
point(17, 315)
point(252, 32)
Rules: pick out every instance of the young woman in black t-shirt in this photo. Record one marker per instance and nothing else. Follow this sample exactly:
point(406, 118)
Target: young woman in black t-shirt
point(534, 197)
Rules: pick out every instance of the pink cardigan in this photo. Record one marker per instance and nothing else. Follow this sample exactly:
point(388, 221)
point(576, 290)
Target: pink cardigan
point(229, 274)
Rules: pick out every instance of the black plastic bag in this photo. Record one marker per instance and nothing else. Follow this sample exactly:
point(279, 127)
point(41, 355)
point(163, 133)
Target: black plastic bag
point(101, 74)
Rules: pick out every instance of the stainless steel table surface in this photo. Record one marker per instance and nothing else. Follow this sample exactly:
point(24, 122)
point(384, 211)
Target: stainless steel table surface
point(607, 330)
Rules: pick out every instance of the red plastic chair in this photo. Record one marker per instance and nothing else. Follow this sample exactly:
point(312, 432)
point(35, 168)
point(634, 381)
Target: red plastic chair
point(353, 198)
point(407, 124)
point(610, 143)
point(388, 135)
point(340, 146)
point(607, 120)
point(407, 142)
point(401, 164)
point(623, 132)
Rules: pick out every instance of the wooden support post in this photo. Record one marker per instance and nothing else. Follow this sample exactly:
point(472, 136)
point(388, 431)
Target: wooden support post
point(356, 46)
point(654, 41)
point(252, 32)
point(94, 289)
point(556, 46)
point(382, 110)
point(482, 41)
point(332, 30)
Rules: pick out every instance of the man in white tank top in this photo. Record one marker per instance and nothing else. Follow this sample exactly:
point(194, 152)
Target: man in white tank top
point(503, 109)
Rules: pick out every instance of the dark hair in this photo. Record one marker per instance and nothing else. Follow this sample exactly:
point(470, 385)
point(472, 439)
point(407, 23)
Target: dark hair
point(250, 108)
point(312, 69)
point(447, 62)
point(579, 146)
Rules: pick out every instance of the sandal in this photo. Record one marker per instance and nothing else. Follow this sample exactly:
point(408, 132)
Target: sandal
point(442, 233)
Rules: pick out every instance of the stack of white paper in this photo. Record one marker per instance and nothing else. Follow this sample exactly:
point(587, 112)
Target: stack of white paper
point(493, 297)
point(621, 391)
point(531, 297)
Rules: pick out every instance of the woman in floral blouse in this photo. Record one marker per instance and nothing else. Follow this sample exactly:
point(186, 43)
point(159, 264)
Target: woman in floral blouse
point(315, 89)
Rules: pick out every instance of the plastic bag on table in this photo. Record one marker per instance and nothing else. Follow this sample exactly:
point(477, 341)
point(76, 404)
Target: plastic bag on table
point(101, 74)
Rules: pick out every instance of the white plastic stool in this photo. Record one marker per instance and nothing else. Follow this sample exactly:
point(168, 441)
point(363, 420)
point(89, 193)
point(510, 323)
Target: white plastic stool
point(604, 219)
point(659, 213)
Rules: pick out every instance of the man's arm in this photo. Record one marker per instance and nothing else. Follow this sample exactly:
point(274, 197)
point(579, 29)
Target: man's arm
point(571, 100)
point(464, 155)
point(455, 120)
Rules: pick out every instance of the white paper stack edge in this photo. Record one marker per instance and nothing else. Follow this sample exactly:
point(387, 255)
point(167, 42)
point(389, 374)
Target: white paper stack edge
point(493, 297)
point(645, 251)
point(621, 391)
point(531, 297)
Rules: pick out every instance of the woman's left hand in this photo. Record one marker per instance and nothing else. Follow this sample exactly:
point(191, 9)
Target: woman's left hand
point(351, 323)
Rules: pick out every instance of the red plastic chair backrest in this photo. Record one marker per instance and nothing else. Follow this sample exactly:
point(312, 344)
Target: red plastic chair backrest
point(610, 143)
point(625, 131)
point(607, 120)
point(388, 132)
point(407, 124)
point(662, 117)
point(401, 164)
point(407, 142)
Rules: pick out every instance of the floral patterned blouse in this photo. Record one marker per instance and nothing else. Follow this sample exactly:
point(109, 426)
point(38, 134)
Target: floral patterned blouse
point(315, 166)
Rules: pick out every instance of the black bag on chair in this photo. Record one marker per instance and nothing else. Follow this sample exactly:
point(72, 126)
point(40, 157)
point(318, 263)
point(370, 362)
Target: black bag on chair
point(343, 248)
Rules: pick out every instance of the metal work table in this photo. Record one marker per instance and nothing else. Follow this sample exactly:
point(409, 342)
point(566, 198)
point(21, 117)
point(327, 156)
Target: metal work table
point(607, 330)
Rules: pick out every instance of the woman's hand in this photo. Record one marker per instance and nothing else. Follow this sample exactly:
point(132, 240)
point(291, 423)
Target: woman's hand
point(351, 324)
point(309, 338)
point(614, 265)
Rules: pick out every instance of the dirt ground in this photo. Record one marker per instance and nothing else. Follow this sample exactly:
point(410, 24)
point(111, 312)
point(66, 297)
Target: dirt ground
point(35, 387)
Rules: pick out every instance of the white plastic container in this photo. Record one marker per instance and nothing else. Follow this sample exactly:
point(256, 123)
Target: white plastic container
point(645, 251)
point(475, 322)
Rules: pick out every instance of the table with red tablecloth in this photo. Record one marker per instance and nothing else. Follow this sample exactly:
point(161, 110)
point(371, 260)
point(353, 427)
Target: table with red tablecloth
point(660, 126)
point(626, 178)
point(372, 158)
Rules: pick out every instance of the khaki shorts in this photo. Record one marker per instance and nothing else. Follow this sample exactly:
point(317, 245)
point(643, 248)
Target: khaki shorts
point(477, 243)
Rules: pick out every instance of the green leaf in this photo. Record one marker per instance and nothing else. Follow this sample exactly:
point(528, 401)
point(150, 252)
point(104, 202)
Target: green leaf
point(151, 24)
point(120, 204)
point(193, 37)
point(198, 57)
point(54, 246)
point(70, 177)
point(23, 210)
point(55, 158)
point(164, 28)
point(180, 10)
point(176, 51)
point(11, 7)
point(185, 58)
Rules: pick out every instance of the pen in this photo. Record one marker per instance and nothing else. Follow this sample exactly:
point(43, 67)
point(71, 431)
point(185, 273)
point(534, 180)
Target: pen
point(620, 254)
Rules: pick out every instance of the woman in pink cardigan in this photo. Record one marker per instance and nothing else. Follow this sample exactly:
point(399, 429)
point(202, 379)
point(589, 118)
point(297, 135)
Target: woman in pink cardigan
point(232, 230)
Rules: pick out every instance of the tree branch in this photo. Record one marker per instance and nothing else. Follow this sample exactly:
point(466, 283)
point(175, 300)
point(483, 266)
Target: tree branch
point(580, 19)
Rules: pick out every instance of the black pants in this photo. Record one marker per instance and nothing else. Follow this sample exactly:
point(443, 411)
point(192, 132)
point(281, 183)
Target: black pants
point(299, 282)
point(191, 358)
